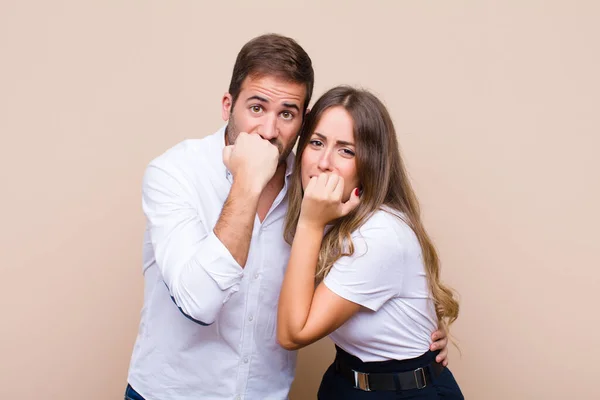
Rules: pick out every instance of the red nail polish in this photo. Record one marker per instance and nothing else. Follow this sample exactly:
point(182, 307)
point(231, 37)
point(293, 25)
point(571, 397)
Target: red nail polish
point(356, 191)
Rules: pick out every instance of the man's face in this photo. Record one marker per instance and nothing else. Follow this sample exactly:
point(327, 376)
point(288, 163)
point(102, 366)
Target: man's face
point(268, 106)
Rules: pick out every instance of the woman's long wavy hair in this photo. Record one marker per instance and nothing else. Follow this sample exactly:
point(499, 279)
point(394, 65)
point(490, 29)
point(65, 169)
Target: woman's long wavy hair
point(384, 182)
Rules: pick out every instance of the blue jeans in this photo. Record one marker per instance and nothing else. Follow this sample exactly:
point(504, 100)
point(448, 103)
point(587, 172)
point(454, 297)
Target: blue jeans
point(131, 394)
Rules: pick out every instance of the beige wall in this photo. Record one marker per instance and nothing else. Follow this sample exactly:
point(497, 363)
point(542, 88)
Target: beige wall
point(497, 107)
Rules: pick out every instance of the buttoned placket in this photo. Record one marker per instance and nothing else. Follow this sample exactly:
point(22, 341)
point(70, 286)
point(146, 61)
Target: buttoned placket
point(255, 267)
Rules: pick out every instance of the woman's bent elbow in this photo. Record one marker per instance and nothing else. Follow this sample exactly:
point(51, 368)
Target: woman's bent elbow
point(286, 342)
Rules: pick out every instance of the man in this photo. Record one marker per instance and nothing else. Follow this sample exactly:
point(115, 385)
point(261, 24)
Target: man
point(214, 254)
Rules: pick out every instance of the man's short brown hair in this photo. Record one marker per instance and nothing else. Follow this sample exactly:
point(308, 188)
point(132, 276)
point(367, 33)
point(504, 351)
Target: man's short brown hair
point(275, 55)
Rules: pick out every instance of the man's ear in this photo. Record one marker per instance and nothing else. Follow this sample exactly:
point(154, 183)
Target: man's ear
point(226, 106)
point(303, 120)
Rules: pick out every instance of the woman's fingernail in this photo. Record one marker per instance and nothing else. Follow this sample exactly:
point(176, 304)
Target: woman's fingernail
point(356, 191)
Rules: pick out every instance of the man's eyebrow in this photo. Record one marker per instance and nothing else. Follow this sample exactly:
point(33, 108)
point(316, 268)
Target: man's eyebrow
point(256, 97)
point(292, 105)
point(342, 142)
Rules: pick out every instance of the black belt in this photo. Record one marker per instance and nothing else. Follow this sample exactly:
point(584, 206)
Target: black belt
point(414, 379)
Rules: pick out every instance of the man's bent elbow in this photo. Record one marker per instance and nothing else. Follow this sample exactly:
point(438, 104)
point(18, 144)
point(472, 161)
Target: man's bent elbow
point(204, 312)
point(199, 316)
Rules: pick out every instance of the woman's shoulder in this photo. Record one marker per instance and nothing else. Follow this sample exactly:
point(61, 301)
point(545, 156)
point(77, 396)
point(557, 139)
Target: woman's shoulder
point(386, 241)
point(386, 219)
point(387, 230)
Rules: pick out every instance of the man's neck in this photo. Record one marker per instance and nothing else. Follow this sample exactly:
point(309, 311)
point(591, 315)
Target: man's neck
point(271, 191)
point(276, 182)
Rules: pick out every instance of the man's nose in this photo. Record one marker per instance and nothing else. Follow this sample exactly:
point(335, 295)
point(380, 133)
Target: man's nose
point(268, 129)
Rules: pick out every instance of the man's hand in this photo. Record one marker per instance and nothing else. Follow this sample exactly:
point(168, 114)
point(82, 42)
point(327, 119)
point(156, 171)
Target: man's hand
point(440, 342)
point(251, 160)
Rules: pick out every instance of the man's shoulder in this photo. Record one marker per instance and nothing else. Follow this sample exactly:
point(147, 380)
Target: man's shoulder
point(184, 149)
point(196, 151)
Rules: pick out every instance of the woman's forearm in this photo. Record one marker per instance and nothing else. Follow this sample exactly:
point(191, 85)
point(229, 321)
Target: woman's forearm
point(298, 285)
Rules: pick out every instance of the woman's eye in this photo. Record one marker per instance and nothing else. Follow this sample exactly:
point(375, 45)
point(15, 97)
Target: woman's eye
point(316, 142)
point(347, 152)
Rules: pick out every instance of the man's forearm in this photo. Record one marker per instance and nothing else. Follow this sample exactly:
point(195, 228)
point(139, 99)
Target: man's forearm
point(234, 227)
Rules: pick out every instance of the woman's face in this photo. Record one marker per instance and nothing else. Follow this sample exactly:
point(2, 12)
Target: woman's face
point(331, 149)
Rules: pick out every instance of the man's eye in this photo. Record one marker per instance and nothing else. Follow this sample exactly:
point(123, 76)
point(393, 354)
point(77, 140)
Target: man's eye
point(256, 109)
point(287, 115)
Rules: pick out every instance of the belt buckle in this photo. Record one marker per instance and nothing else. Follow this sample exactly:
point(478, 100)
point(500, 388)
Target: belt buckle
point(422, 374)
point(361, 381)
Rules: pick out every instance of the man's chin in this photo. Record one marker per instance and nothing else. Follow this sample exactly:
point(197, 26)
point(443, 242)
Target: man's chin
point(283, 158)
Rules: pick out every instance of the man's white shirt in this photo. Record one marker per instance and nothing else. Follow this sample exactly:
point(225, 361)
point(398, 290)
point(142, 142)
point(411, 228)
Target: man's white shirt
point(208, 327)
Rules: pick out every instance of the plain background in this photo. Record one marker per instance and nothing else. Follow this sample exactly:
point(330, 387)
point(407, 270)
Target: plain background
point(496, 104)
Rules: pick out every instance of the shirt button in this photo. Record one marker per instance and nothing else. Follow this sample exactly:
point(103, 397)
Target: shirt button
point(245, 360)
point(237, 397)
point(256, 275)
point(250, 318)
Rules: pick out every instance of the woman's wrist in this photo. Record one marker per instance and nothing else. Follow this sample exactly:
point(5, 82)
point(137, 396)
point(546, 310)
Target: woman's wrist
point(310, 226)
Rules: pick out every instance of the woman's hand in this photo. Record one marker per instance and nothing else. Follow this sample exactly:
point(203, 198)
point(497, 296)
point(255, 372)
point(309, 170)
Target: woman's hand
point(322, 202)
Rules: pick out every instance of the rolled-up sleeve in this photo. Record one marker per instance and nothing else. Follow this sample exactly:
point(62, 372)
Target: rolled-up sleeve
point(199, 271)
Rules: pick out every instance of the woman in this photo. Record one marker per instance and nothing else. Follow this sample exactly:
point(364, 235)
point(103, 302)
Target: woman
point(379, 296)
